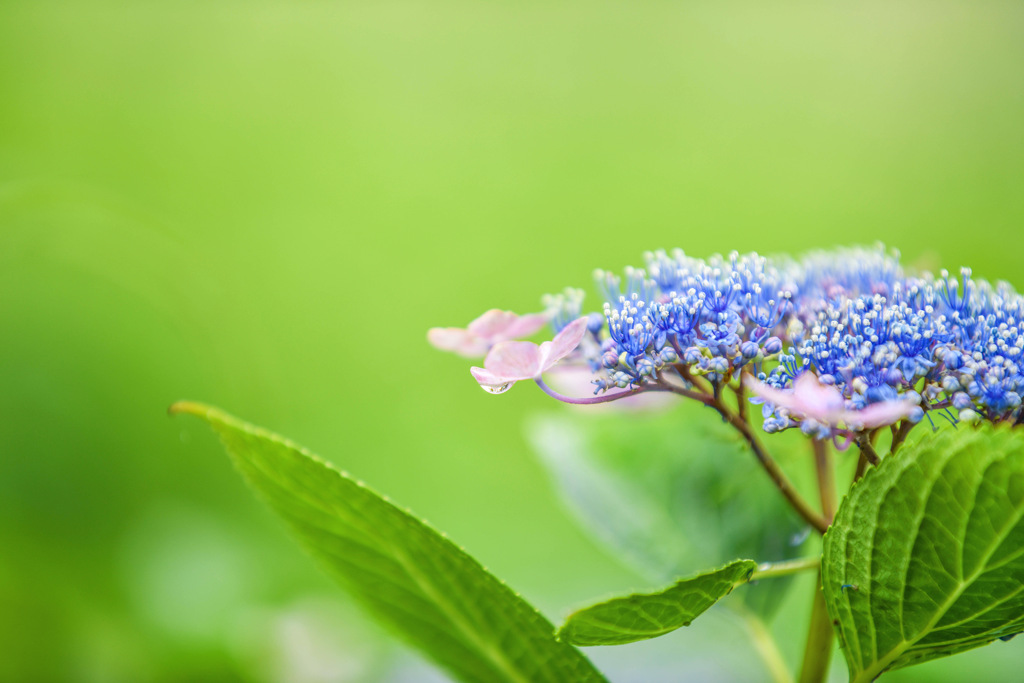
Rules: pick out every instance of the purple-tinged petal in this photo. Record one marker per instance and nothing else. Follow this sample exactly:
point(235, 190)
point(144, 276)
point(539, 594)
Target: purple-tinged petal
point(564, 343)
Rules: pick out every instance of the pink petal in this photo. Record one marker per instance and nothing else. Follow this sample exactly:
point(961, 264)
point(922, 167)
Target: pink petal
point(526, 325)
point(493, 323)
point(458, 340)
point(878, 414)
point(816, 400)
point(777, 397)
point(808, 398)
point(514, 360)
point(564, 343)
point(821, 402)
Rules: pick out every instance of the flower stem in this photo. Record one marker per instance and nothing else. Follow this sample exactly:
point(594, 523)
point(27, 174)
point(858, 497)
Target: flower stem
point(900, 435)
point(704, 398)
point(603, 398)
point(774, 471)
point(770, 570)
point(862, 466)
point(826, 478)
point(699, 383)
point(867, 450)
point(741, 403)
point(818, 652)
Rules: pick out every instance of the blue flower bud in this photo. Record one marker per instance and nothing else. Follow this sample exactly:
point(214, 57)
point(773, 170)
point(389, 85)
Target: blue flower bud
point(962, 401)
point(749, 350)
point(953, 360)
point(645, 367)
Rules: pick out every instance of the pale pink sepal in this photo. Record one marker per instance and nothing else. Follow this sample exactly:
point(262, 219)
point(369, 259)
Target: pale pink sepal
point(880, 414)
point(511, 361)
point(823, 403)
point(505, 325)
point(489, 329)
point(458, 340)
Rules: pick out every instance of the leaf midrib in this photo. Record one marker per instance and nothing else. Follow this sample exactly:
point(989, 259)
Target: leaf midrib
point(658, 630)
point(615, 628)
point(496, 657)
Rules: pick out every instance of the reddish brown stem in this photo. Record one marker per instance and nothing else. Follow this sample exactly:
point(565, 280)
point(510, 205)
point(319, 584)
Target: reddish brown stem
point(862, 466)
point(900, 435)
point(741, 403)
point(698, 383)
point(774, 471)
point(867, 450)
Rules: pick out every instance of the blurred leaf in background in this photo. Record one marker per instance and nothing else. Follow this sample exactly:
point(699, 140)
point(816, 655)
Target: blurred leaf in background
point(265, 205)
point(674, 491)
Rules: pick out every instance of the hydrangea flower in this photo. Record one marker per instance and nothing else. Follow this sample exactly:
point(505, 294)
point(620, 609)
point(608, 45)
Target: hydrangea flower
point(882, 345)
point(489, 329)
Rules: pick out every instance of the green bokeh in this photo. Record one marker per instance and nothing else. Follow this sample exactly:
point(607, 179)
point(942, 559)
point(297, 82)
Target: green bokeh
point(264, 205)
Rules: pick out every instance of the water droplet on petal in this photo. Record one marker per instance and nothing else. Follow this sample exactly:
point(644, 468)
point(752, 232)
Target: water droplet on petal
point(500, 389)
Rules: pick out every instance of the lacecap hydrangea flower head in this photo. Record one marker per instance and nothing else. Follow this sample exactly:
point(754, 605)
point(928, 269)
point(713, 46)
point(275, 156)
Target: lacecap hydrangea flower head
point(835, 343)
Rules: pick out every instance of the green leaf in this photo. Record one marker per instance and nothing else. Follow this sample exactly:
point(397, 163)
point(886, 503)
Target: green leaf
point(649, 615)
point(926, 554)
point(671, 493)
point(408, 575)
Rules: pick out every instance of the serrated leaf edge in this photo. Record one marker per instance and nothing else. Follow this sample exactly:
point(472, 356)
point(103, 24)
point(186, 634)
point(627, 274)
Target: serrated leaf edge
point(213, 415)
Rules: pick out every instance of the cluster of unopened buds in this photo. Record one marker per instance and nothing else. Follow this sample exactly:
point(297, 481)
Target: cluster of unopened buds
point(838, 344)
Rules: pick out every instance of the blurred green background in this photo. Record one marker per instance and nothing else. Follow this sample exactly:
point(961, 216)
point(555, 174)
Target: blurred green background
point(265, 204)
